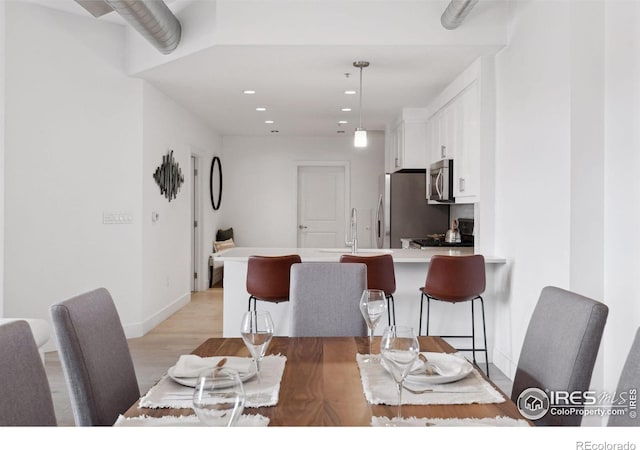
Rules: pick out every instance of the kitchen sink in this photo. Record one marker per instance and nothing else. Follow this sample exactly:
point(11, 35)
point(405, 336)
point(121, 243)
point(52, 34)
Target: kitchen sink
point(347, 250)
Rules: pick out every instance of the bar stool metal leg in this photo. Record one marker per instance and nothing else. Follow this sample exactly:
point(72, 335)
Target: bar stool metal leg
point(428, 312)
point(391, 310)
point(484, 331)
point(254, 303)
point(473, 332)
point(420, 320)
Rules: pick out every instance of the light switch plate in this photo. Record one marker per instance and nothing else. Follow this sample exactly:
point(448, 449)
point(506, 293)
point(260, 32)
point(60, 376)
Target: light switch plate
point(116, 218)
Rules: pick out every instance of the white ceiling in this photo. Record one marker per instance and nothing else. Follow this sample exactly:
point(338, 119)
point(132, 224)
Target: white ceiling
point(301, 86)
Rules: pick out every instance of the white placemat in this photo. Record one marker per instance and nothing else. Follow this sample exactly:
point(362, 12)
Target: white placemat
point(169, 394)
point(380, 388)
point(500, 421)
point(246, 420)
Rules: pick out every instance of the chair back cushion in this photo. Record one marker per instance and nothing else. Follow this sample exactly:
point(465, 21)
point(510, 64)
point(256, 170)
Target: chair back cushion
point(380, 271)
point(455, 278)
point(268, 276)
point(325, 299)
point(25, 395)
point(629, 379)
point(95, 357)
point(560, 347)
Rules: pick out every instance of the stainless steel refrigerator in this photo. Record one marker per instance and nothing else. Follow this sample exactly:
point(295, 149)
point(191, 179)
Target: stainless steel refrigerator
point(403, 211)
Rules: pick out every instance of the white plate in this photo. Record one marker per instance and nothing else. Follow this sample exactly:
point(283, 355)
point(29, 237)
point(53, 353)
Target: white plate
point(193, 381)
point(454, 368)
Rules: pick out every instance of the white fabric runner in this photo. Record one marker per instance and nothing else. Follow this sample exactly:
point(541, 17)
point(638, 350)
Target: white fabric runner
point(246, 420)
point(380, 388)
point(169, 394)
point(419, 422)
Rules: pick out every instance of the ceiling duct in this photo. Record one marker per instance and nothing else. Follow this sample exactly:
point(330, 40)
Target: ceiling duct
point(152, 18)
point(454, 15)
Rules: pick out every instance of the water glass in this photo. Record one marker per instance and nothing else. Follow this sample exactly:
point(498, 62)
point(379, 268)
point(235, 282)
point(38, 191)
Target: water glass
point(256, 330)
point(399, 349)
point(373, 305)
point(219, 397)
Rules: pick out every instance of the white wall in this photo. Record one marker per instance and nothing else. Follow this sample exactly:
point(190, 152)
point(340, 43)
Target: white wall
point(83, 138)
point(73, 137)
point(567, 139)
point(532, 166)
point(2, 108)
point(622, 184)
point(260, 183)
point(166, 256)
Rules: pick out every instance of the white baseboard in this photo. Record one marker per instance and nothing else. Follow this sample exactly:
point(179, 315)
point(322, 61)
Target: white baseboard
point(504, 363)
point(135, 330)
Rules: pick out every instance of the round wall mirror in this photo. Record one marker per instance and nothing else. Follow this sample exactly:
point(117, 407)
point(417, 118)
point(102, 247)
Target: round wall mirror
point(215, 183)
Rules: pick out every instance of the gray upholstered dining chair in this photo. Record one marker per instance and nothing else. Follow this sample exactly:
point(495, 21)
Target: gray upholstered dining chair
point(25, 395)
point(629, 379)
point(325, 299)
point(95, 357)
point(560, 347)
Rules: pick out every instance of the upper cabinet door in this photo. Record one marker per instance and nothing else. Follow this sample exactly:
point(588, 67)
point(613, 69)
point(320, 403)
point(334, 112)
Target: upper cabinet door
point(466, 169)
point(406, 143)
point(414, 145)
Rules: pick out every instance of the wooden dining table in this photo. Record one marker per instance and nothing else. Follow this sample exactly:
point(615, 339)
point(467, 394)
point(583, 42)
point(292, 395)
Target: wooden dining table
point(321, 385)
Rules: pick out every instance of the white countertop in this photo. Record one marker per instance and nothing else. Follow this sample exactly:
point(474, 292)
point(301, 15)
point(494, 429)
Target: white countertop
point(409, 255)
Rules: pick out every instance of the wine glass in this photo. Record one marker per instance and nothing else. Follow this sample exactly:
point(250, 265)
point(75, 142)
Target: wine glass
point(399, 348)
point(372, 306)
point(219, 398)
point(257, 331)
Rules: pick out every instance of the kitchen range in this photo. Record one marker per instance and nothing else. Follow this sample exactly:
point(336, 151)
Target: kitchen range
point(460, 235)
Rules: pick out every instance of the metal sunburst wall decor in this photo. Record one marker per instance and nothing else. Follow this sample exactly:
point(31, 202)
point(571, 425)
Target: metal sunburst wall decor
point(169, 176)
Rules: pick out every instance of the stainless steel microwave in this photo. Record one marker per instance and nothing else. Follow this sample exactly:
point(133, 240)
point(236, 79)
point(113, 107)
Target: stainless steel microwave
point(441, 181)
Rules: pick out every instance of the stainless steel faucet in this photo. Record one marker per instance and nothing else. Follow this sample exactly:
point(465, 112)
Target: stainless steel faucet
point(354, 232)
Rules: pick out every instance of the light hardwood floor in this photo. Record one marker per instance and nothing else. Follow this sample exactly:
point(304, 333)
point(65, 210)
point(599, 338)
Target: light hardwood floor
point(159, 349)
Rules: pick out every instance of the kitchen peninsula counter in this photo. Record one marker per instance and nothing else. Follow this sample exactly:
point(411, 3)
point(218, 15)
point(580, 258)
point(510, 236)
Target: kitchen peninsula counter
point(410, 267)
point(400, 255)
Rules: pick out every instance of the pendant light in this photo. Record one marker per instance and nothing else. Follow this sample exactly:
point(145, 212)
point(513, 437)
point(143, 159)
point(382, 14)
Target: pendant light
point(360, 136)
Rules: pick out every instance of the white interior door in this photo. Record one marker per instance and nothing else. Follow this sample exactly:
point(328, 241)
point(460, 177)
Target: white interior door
point(321, 206)
point(194, 224)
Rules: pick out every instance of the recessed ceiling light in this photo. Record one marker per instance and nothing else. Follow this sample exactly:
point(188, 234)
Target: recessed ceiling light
point(248, 91)
point(260, 108)
point(342, 122)
point(345, 109)
point(268, 121)
point(350, 92)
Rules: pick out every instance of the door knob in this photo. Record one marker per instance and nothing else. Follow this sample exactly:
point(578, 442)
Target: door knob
point(302, 227)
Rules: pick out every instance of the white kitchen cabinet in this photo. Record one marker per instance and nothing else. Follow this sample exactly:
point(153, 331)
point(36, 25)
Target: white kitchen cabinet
point(466, 166)
point(468, 105)
point(460, 127)
point(406, 143)
point(442, 135)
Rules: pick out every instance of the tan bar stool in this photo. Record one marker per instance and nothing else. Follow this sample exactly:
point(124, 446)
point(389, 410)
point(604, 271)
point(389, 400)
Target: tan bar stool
point(455, 279)
point(268, 278)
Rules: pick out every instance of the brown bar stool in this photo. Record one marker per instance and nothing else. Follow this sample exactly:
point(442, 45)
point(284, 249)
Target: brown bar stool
point(268, 278)
point(456, 279)
point(380, 275)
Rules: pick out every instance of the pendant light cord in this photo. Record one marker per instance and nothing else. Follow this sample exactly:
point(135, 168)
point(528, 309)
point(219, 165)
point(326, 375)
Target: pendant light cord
point(360, 96)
